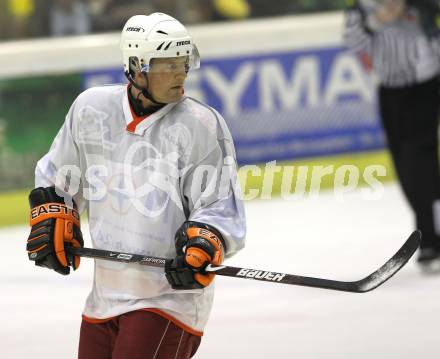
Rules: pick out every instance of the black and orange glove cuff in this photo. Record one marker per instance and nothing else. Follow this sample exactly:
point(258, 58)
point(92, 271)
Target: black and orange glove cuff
point(43, 195)
point(45, 203)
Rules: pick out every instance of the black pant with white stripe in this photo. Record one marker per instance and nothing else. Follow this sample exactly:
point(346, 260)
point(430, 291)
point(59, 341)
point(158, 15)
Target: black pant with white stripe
point(410, 117)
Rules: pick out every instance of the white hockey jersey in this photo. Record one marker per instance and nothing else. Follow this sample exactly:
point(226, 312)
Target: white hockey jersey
point(139, 180)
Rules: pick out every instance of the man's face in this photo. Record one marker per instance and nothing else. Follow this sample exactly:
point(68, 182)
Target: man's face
point(166, 78)
point(390, 10)
point(392, 3)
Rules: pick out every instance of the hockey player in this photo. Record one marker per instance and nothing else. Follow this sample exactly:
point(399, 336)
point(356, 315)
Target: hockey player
point(155, 171)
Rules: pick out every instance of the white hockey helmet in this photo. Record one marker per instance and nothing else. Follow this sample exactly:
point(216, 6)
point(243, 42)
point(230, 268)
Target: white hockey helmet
point(155, 36)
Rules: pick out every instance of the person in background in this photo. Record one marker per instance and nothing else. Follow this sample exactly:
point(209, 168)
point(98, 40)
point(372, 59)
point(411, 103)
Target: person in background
point(232, 9)
point(320, 5)
point(110, 15)
point(2, 134)
point(69, 17)
point(400, 42)
point(16, 22)
point(3, 19)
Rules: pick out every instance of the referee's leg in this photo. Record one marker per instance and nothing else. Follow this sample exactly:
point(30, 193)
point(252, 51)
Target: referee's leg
point(411, 129)
point(421, 150)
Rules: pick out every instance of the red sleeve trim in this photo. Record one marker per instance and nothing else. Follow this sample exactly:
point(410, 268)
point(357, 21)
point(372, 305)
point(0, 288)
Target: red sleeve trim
point(131, 127)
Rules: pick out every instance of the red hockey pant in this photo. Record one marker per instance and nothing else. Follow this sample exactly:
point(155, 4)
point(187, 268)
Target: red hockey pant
point(136, 335)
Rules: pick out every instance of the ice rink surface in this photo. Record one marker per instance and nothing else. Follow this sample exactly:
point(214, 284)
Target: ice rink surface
point(322, 237)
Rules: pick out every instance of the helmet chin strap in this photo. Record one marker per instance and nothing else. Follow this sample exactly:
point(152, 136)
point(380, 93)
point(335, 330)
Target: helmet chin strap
point(144, 91)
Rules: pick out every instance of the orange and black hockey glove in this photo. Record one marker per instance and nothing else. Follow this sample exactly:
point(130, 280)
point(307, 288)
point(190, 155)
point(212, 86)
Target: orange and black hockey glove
point(197, 245)
point(55, 226)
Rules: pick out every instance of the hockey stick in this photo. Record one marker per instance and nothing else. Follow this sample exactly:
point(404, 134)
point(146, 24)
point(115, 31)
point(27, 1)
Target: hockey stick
point(367, 284)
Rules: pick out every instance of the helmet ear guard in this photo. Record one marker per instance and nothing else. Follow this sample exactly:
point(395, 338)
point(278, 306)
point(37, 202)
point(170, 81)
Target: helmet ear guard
point(134, 66)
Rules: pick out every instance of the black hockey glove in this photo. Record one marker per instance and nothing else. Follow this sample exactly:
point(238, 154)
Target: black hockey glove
point(197, 245)
point(54, 227)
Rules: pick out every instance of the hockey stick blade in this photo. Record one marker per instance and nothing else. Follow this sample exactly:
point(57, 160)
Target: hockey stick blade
point(364, 285)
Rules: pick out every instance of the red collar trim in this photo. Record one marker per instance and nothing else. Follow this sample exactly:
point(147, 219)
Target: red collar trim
point(131, 127)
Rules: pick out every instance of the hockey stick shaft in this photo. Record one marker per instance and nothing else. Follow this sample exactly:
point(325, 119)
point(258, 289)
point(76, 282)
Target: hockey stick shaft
point(367, 284)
